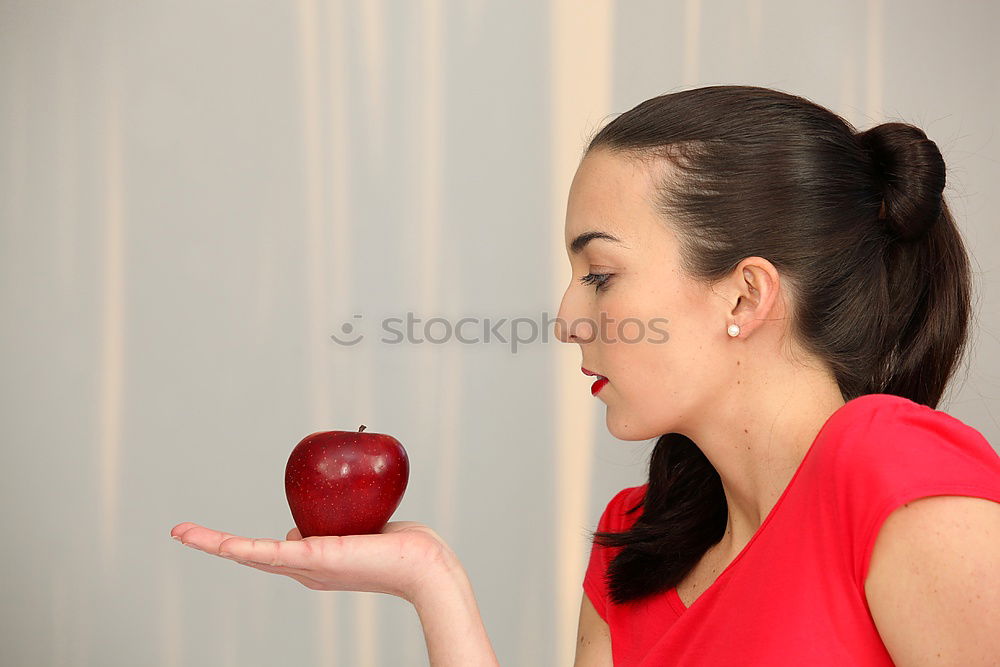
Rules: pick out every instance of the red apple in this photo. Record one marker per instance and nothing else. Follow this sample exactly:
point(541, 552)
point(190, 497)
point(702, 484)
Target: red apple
point(345, 482)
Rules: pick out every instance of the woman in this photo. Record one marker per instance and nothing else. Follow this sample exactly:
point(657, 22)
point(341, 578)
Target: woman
point(807, 504)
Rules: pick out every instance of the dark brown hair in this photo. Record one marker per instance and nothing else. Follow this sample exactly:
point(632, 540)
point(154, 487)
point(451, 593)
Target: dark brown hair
point(856, 224)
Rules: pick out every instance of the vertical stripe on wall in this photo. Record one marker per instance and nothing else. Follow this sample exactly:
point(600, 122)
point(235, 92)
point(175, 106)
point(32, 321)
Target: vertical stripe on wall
point(112, 315)
point(874, 84)
point(437, 368)
point(692, 41)
point(315, 217)
point(581, 44)
point(755, 19)
point(328, 624)
point(373, 49)
point(319, 396)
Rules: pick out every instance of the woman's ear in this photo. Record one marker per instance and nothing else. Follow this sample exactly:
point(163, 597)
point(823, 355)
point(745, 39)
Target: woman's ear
point(756, 285)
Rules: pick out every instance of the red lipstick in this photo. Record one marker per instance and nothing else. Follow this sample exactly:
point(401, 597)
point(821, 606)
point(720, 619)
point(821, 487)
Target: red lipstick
point(598, 384)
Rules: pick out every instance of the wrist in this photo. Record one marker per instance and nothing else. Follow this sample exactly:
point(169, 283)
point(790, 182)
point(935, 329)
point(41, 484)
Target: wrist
point(443, 572)
point(449, 615)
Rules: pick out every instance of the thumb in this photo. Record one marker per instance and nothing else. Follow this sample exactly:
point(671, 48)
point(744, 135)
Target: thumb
point(293, 534)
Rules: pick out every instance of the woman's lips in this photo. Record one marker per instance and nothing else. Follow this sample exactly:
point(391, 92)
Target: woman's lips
point(598, 384)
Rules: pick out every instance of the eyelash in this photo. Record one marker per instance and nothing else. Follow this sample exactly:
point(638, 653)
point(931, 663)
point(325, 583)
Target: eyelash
point(600, 279)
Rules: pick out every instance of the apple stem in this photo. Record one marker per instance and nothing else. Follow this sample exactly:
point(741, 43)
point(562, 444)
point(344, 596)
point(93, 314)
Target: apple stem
point(361, 429)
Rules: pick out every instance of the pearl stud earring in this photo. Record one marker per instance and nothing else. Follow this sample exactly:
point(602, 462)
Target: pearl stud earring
point(734, 330)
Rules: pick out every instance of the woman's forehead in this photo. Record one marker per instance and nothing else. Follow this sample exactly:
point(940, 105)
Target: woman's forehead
point(610, 194)
point(609, 180)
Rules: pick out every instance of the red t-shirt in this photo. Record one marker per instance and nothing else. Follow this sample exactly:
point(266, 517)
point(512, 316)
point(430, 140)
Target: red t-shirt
point(795, 594)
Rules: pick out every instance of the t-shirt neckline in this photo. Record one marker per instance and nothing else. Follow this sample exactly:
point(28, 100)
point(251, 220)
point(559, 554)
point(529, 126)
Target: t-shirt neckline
point(681, 607)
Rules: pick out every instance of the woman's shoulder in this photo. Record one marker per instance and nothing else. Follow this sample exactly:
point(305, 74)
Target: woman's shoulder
point(885, 451)
point(882, 447)
point(623, 509)
point(883, 408)
point(884, 426)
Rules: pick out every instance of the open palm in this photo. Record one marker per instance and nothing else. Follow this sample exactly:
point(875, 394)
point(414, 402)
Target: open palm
point(397, 561)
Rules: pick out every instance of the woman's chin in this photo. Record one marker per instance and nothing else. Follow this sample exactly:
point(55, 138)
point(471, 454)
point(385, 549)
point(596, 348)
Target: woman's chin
point(623, 430)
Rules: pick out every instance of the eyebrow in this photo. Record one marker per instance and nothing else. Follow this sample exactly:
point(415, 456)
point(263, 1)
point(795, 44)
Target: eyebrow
point(581, 241)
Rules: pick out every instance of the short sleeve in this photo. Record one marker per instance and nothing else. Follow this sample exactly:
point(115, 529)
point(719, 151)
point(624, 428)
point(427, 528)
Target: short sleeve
point(612, 520)
point(910, 451)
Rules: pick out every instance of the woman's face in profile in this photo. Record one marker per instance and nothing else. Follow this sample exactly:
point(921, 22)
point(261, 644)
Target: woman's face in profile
point(655, 334)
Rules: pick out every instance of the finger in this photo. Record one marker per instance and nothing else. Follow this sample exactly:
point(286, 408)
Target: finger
point(293, 534)
point(297, 554)
point(179, 529)
point(206, 539)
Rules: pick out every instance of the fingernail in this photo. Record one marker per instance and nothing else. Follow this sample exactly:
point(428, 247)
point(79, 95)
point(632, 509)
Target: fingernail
point(176, 537)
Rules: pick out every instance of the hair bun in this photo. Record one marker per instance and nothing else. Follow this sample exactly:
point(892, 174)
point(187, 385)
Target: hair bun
point(910, 173)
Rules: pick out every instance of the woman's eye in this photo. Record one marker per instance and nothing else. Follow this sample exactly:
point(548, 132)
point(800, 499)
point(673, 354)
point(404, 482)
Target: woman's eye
point(599, 279)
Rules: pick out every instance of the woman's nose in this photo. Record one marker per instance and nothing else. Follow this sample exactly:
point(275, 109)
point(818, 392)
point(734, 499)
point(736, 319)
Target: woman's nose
point(570, 329)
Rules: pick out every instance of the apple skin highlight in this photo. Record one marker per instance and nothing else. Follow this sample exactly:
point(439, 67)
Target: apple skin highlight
point(345, 482)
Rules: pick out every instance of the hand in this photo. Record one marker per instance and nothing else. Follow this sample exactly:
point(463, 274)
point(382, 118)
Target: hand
point(401, 559)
